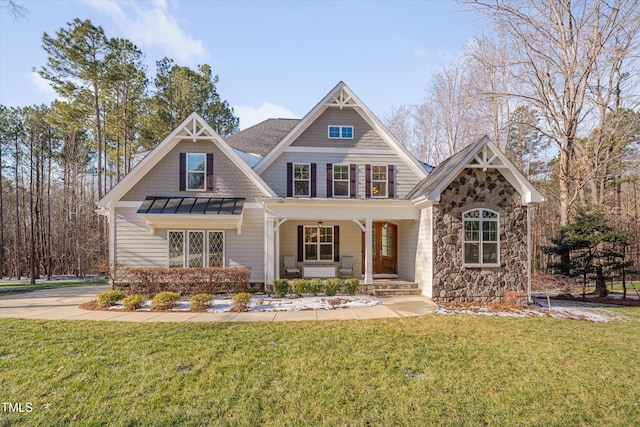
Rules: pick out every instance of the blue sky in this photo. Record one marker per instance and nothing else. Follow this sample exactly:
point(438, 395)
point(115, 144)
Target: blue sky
point(274, 59)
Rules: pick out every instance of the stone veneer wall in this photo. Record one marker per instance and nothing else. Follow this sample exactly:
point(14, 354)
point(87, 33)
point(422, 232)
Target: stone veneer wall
point(471, 189)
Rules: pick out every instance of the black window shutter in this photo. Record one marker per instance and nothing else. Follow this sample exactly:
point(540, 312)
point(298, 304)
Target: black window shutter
point(289, 179)
point(392, 185)
point(183, 171)
point(209, 171)
point(367, 178)
point(352, 180)
point(329, 180)
point(300, 243)
point(313, 180)
point(336, 243)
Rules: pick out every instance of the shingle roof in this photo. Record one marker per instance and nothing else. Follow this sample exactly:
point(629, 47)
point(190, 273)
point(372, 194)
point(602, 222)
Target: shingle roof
point(192, 205)
point(261, 138)
point(440, 172)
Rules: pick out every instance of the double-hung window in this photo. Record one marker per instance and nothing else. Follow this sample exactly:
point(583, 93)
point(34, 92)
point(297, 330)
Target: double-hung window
point(378, 181)
point(301, 179)
point(191, 248)
point(481, 242)
point(340, 132)
point(340, 180)
point(196, 171)
point(318, 243)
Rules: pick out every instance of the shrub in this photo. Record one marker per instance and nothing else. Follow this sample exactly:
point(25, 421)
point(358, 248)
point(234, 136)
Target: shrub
point(280, 287)
point(299, 287)
point(165, 300)
point(240, 301)
point(110, 297)
point(186, 281)
point(133, 302)
point(315, 286)
point(332, 286)
point(200, 302)
point(351, 286)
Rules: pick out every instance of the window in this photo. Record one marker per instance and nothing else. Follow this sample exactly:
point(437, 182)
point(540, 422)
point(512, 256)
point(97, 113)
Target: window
point(378, 181)
point(195, 251)
point(480, 238)
point(196, 171)
point(340, 180)
point(318, 243)
point(301, 179)
point(340, 132)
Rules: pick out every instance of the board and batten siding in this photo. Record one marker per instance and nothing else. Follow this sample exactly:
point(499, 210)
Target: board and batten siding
point(137, 245)
point(317, 134)
point(164, 178)
point(276, 174)
point(424, 252)
point(407, 243)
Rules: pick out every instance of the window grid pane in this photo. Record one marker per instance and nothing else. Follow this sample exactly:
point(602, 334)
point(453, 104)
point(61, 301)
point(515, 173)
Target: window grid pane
point(347, 132)
point(318, 243)
point(334, 131)
point(481, 237)
point(176, 249)
point(196, 249)
point(216, 249)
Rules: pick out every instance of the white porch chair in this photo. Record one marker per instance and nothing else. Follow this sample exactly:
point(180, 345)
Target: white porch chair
point(290, 267)
point(347, 266)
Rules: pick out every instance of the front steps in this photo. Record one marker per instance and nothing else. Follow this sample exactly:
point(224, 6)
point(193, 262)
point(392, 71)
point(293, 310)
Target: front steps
point(392, 288)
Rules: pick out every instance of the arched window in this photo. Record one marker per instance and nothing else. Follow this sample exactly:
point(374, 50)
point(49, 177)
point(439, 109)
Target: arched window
point(481, 238)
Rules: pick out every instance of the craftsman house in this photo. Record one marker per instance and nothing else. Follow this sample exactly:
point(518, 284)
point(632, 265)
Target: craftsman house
point(333, 194)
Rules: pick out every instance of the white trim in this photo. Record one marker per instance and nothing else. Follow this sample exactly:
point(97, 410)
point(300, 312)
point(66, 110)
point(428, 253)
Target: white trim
point(333, 181)
point(128, 204)
point(340, 127)
point(318, 244)
point(145, 165)
point(293, 178)
point(187, 171)
point(343, 97)
point(339, 150)
point(480, 241)
point(386, 174)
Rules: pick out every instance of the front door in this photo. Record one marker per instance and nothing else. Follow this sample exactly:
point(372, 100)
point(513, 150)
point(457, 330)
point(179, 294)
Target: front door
point(384, 248)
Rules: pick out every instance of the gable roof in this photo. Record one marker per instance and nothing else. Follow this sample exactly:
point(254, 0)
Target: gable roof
point(259, 139)
point(193, 127)
point(341, 96)
point(482, 154)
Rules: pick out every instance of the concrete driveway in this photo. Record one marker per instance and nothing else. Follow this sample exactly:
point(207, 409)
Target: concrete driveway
point(62, 303)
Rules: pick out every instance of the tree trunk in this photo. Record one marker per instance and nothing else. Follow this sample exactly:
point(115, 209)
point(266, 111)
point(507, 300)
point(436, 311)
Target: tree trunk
point(601, 285)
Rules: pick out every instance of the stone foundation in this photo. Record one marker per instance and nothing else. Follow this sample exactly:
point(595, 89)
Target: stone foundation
point(472, 189)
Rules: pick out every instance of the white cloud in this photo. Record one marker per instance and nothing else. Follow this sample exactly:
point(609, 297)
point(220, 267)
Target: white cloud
point(42, 85)
point(151, 25)
point(250, 116)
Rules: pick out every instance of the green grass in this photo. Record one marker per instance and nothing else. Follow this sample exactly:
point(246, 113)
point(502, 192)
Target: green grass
point(25, 286)
point(435, 370)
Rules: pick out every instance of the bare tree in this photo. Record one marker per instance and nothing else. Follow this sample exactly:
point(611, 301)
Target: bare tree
point(558, 44)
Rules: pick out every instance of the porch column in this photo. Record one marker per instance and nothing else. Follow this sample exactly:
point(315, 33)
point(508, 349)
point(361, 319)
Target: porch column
point(269, 249)
point(368, 255)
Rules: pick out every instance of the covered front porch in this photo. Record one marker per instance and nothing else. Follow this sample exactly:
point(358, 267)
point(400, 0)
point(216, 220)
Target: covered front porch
point(321, 235)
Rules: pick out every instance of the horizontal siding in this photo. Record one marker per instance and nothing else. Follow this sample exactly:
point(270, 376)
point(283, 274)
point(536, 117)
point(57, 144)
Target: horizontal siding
point(276, 174)
point(136, 245)
point(248, 248)
point(424, 252)
point(350, 241)
point(407, 243)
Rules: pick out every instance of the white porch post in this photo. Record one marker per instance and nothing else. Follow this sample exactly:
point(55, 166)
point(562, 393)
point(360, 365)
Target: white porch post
point(269, 249)
point(368, 255)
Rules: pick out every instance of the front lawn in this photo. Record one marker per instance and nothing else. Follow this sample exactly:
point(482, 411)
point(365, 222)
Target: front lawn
point(433, 370)
point(15, 286)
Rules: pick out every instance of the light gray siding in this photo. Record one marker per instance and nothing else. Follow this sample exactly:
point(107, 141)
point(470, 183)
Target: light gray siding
point(316, 135)
point(276, 174)
point(424, 252)
point(164, 178)
point(350, 241)
point(138, 246)
point(407, 244)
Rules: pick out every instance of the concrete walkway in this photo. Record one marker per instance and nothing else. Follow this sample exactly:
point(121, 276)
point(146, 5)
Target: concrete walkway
point(62, 303)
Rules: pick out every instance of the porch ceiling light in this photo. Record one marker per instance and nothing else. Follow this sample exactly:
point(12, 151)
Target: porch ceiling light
point(385, 225)
point(320, 223)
